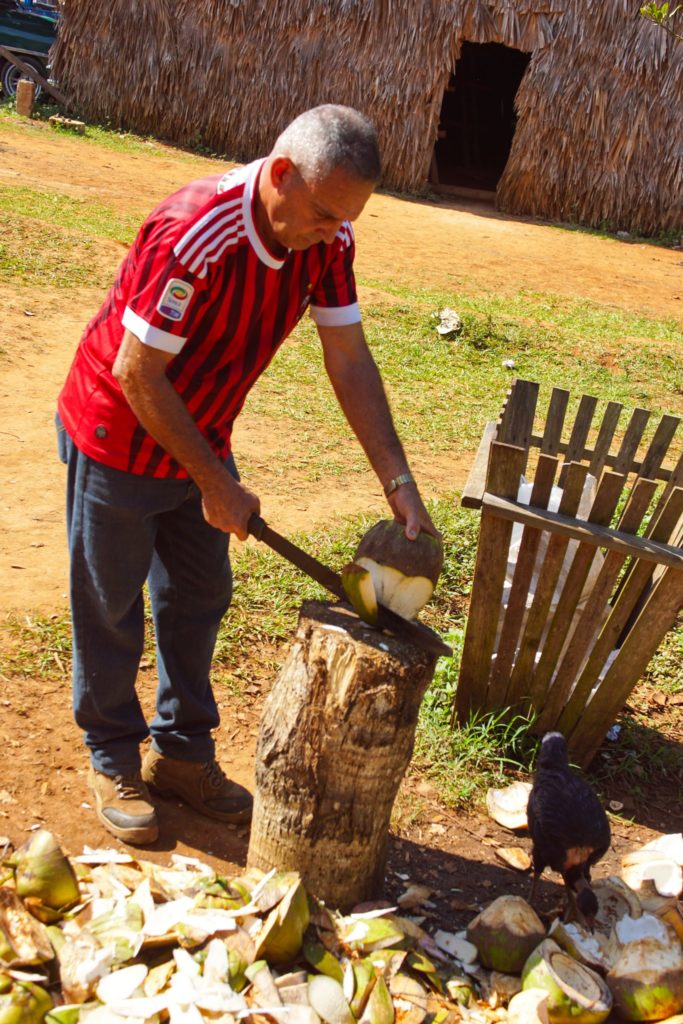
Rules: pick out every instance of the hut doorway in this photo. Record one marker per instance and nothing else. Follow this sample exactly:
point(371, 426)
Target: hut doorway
point(477, 121)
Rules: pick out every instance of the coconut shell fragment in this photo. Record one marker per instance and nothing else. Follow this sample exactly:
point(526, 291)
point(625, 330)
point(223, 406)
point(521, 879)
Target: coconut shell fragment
point(576, 995)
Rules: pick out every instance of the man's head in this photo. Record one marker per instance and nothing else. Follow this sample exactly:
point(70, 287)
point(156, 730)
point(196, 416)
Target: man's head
point(321, 171)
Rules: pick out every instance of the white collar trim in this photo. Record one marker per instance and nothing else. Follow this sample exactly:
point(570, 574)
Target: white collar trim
point(248, 213)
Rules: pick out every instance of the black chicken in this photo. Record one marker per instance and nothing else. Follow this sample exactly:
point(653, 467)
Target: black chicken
point(568, 826)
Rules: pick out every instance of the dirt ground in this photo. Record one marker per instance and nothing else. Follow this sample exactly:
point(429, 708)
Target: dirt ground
point(434, 244)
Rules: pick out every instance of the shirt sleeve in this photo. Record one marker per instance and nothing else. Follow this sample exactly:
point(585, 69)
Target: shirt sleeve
point(334, 303)
point(163, 296)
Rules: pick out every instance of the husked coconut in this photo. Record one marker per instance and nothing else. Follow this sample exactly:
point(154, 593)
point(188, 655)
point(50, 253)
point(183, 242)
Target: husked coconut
point(402, 572)
point(576, 994)
point(646, 980)
point(505, 933)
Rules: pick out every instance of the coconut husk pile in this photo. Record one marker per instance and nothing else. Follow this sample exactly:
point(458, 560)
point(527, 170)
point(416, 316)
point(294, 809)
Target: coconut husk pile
point(107, 938)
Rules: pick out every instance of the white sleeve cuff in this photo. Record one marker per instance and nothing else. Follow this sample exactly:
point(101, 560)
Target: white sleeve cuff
point(152, 336)
point(335, 316)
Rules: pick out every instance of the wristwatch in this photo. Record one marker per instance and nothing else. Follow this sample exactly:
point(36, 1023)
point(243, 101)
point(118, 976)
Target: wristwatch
point(402, 478)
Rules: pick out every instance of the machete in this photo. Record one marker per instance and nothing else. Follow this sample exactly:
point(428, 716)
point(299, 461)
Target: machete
point(407, 629)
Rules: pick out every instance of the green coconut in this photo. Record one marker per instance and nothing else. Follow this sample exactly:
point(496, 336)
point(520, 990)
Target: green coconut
point(576, 994)
point(403, 572)
point(646, 980)
point(42, 871)
point(505, 933)
point(360, 590)
point(282, 935)
point(22, 1002)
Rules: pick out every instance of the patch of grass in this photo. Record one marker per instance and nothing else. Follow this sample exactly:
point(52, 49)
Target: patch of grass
point(579, 346)
point(70, 213)
point(37, 255)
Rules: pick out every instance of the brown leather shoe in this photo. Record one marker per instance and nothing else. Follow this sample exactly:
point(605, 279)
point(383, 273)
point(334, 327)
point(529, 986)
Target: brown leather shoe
point(202, 785)
point(124, 806)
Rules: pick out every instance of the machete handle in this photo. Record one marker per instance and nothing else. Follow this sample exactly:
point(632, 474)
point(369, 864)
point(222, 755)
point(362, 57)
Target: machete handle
point(256, 526)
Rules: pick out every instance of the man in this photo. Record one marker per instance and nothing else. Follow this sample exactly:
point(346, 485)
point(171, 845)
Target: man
point(219, 275)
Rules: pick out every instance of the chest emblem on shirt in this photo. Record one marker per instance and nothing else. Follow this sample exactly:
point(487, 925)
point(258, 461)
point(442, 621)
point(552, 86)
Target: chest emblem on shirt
point(175, 300)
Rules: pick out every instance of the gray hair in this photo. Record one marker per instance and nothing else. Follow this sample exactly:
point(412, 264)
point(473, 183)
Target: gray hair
point(329, 137)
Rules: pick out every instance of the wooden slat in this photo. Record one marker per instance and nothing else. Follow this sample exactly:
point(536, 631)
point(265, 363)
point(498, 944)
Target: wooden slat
point(505, 469)
point(517, 418)
point(554, 422)
point(476, 482)
point(664, 434)
point(500, 693)
point(26, 69)
point(664, 473)
point(545, 585)
point(593, 613)
point(621, 611)
point(606, 500)
point(599, 536)
point(632, 438)
point(604, 439)
point(655, 620)
point(577, 440)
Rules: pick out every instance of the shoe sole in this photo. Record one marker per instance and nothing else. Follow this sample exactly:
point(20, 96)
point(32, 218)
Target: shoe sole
point(236, 818)
point(135, 836)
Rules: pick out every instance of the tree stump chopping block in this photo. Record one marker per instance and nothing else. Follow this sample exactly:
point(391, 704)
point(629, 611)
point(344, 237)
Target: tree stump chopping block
point(336, 738)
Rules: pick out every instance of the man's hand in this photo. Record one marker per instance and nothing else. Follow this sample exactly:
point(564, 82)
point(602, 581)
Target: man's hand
point(408, 509)
point(227, 505)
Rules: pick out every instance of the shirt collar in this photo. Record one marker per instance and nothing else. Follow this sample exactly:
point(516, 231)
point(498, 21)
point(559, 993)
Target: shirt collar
point(248, 197)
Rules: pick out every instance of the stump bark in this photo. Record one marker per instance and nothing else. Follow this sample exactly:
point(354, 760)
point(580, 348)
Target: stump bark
point(336, 738)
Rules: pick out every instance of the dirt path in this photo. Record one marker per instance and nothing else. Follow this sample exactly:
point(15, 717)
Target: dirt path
point(436, 246)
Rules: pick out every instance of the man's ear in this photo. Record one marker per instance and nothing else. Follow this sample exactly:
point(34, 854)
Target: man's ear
point(282, 172)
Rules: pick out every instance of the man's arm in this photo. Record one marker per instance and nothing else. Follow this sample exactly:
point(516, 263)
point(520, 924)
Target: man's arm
point(141, 373)
point(360, 392)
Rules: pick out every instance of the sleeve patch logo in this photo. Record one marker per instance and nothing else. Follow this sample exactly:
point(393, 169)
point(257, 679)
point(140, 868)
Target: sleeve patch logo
point(175, 300)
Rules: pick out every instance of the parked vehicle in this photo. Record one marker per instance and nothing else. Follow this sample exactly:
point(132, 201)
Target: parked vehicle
point(27, 28)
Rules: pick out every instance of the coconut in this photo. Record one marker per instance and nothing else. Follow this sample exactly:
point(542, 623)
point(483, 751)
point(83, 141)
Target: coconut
point(282, 935)
point(505, 933)
point(529, 1007)
point(403, 572)
point(41, 870)
point(576, 995)
point(23, 939)
point(615, 900)
point(22, 1002)
point(507, 806)
point(327, 998)
point(589, 948)
point(379, 1008)
point(642, 865)
point(410, 999)
point(360, 590)
point(647, 980)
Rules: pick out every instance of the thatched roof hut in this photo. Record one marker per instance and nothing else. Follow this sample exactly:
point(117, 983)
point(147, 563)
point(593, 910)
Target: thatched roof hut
point(596, 134)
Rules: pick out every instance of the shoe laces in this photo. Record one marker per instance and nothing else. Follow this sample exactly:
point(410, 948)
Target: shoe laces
point(129, 787)
point(214, 775)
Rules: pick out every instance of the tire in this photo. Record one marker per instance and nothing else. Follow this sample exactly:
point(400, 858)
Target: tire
point(10, 75)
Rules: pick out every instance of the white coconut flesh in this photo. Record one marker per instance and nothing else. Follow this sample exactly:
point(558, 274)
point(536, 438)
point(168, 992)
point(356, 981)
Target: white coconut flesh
point(651, 864)
point(508, 806)
point(405, 595)
point(589, 948)
point(403, 572)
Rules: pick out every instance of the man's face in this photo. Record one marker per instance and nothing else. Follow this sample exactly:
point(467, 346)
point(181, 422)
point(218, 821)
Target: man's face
point(303, 214)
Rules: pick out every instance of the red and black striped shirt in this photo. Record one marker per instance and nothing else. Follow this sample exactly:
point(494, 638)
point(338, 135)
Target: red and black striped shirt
point(200, 283)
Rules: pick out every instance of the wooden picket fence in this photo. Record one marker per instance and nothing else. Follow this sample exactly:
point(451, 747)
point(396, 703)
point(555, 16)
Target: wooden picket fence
point(574, 629)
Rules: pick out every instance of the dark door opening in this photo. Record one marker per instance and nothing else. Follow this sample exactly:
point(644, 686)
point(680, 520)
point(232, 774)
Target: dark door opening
point(478, 120)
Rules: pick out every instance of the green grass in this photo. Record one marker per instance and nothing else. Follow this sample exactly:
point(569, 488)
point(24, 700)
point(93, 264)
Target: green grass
point(553, 341)
point(68, 213)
